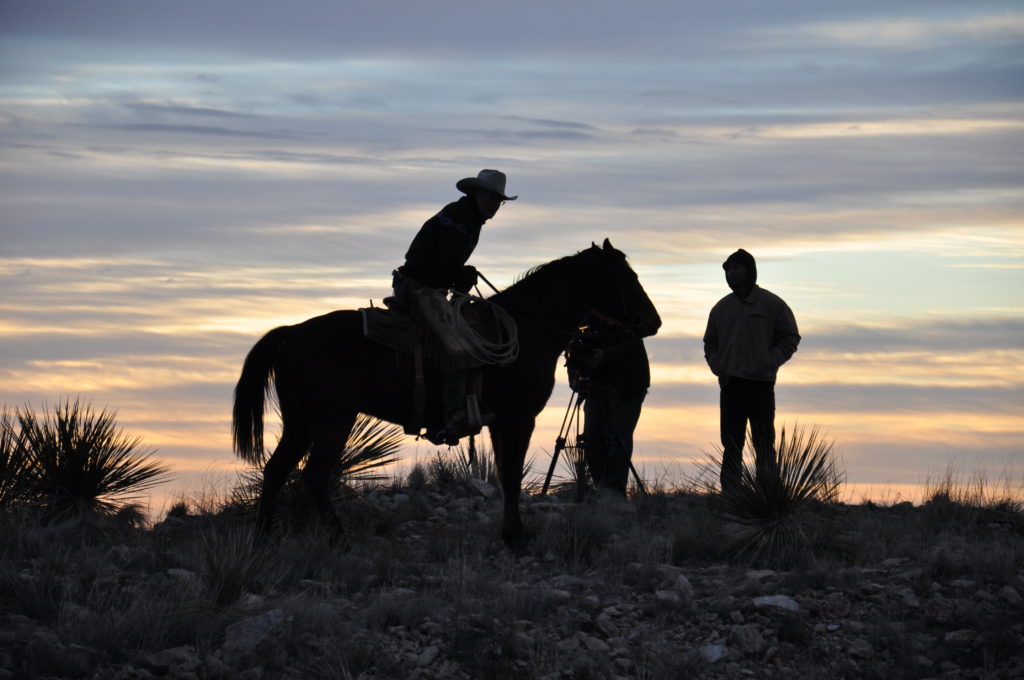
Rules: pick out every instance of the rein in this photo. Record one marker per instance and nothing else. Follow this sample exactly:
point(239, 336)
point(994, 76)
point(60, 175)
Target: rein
point(526, 311)
point(619, 292)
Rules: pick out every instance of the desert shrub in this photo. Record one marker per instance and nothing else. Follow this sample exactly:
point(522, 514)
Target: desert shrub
point(231, 564)
point(17, 478)
point(417, 478)
point(79, 460)
point(371, 445)
point(459, 465)
point(409, 610)
point(780, 512)
point(577, 536)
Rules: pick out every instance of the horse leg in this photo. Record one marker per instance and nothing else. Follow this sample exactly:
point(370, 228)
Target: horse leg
point(286, 456)
point(327, 447)
point(510, 441)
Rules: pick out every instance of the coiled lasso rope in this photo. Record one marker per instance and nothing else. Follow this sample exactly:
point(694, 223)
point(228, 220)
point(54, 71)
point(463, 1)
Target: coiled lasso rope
point(499, 351)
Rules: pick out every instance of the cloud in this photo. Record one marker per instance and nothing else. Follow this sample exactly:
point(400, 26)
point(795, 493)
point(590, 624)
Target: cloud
point(188, 129)
point(861, 401)
point(948, 336)
point(918, 33)
point(544, 122)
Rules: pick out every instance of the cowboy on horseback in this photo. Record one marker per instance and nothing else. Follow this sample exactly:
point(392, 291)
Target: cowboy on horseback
point(435, 264)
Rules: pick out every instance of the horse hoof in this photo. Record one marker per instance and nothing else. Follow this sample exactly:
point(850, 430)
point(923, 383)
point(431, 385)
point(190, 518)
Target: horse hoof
point(516, 540)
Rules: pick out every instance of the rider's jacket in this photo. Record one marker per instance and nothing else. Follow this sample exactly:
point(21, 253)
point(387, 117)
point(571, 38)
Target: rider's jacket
point(438, 254)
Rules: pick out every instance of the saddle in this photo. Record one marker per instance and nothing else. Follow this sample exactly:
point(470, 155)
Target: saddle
point(399, 331)
point(445, 339)
point(417, 346)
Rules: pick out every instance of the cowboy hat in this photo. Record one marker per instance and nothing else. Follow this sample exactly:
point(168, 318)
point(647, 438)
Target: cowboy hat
point(491, 181)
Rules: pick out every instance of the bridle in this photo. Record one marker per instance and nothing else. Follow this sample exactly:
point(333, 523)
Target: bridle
point(613, 269)
point(623, 303)
point(528, 313)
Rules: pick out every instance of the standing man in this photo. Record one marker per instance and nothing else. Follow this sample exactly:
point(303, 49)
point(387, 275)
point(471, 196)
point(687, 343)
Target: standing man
point(436, 264)
point(751, 332)
point(616, 372)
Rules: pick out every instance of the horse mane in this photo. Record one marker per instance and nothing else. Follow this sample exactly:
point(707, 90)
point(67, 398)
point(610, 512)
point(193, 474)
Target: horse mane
point(554, 272)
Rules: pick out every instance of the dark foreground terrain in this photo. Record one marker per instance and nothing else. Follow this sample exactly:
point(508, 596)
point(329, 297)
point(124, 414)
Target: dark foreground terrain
point(421, 588)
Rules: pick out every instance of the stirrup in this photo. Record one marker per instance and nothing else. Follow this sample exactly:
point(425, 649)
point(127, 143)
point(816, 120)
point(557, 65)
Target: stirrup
point(443, 437)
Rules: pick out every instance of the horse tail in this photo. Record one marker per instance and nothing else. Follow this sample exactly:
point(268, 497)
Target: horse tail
point(250, 395)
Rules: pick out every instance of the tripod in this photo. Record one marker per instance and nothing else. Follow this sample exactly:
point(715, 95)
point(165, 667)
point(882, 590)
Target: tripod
point(571, 418)
point(572, 422)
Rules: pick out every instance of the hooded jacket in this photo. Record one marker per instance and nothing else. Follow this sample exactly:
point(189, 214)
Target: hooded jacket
point(751, 332)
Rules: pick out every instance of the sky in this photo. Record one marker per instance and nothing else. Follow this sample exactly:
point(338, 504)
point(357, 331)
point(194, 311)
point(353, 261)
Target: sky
point(178, 178)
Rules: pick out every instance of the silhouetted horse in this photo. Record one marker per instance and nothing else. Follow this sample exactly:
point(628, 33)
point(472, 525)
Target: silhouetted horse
point(326, 373)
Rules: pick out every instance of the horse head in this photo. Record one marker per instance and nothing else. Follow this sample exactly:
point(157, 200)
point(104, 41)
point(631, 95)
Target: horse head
point(620, 297)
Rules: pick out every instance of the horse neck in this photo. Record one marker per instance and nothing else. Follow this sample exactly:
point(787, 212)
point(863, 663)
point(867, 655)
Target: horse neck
point(553, 305)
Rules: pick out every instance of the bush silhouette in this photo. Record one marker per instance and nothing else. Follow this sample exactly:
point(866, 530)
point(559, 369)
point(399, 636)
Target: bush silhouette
point(73, 459)
point(372, 445)
point(778, 512)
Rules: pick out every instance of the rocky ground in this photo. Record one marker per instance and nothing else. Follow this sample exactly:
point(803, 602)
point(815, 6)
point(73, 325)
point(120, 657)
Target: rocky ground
point(422, 588)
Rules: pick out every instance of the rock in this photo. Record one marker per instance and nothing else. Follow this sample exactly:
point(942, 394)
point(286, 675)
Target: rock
point(961, 638)
point(70, 611)
point(556, 595)
point(176, 661)
point(256, 641)
point(428, 656)
point(128, 673)
point(483, 488)
point(747, 639)
point(984, 595)
point(46, 655)
point(909, 597)
point(669, 597)
point(682, 585)
point(606, 625)
point(784, 602)
point(570, 582)
point(1010, 596)
point(837, 604)
point(861, 649)
point(713, 653)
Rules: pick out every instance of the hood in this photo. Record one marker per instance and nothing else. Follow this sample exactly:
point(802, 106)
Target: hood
point(747, 260)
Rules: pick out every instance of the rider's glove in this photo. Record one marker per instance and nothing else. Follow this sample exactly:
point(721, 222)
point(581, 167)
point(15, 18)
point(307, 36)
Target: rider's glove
point(466, 279)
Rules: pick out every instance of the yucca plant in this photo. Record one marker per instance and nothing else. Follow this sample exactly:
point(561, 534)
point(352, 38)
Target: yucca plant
point(17, 480)
point(83, 462)
point(230, 563)
point(372, 445)
point(777, 511)
point(462, 466)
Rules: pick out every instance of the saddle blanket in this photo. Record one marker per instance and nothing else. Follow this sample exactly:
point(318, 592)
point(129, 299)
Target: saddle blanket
point(396, 331)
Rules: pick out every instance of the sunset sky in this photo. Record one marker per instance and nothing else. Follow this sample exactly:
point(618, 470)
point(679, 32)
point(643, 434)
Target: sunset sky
point(178, 178)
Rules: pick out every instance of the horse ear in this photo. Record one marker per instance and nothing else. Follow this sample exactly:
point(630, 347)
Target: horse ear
point(608, 245)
